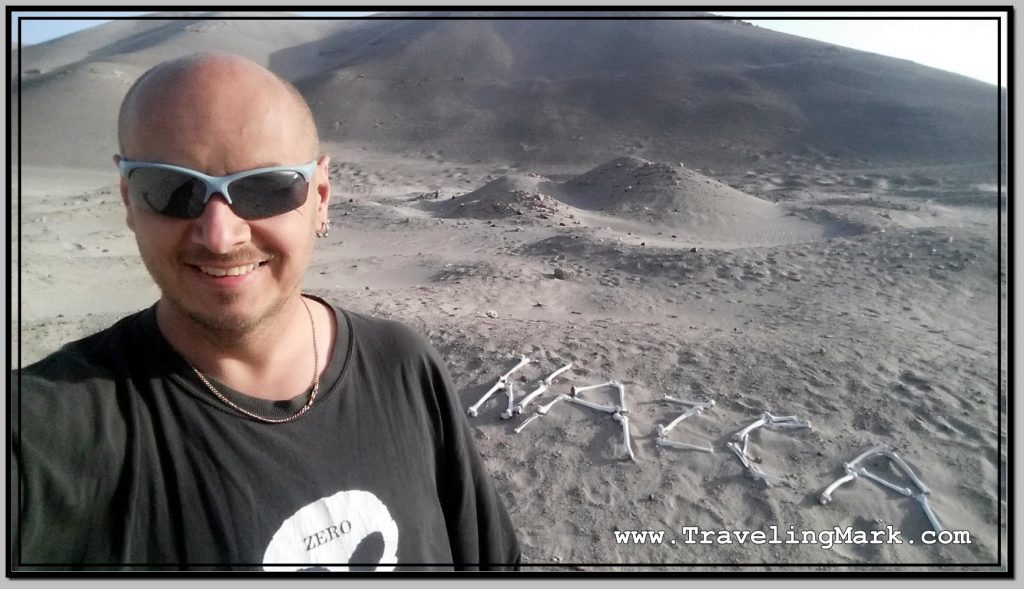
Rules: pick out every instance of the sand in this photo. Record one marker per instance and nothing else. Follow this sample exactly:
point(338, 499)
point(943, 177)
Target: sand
point(875, 324)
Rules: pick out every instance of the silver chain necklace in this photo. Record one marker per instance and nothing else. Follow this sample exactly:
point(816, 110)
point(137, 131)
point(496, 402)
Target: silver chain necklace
point(312, 395)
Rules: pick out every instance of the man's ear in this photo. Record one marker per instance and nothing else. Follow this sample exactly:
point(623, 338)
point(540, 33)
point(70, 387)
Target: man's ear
point(323, 184)
point(129, 214)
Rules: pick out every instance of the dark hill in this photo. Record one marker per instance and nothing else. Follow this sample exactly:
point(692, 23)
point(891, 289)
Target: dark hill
point(708, 92)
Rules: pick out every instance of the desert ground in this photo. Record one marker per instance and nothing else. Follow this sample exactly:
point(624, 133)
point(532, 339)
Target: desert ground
point(865, 301)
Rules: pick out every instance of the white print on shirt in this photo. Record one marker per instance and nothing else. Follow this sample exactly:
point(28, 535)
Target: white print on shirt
point(348, 528)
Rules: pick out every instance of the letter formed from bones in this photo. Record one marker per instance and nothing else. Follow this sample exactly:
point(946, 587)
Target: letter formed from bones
point(502, 383)
point(696, 408)
point(856, 469)
point(541, 387)
point(618, 412)
point(741, 440)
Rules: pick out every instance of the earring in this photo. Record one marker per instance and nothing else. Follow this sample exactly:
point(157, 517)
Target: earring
point(325, 229)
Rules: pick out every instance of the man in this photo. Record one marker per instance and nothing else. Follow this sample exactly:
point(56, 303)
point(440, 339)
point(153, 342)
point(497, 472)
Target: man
point(238, 422)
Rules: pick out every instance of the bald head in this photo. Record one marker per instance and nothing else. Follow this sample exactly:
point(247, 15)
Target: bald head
point(215, 108)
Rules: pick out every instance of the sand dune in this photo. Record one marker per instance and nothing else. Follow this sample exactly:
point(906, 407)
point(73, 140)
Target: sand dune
point(661, 203)
point(710, 93)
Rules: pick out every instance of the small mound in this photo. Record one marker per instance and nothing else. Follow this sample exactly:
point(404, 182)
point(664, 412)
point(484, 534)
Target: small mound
point(507, 196)
point(634, 187)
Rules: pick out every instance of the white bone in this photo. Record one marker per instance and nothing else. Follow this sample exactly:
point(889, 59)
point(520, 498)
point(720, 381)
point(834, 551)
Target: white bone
point(526, 422)
point(683, 445)
point(922, 498)
point(864, 456)
point(768, 478)
point(768, 417)
point(622, 396)
point(664, 429)
point(497, 387)
point(901, 490)
point(585, 403)
point(854, 470)
point(502, 381)
point(783, 421)
point(526, 400)
point(625, 434)
point(751, 467)
point(826, 496)
point(923, 491)
point(542, 386)
point(523, 361)
point(510, 392)
point(743, 432)
point(906, 468)
point(551, 378)
point(788, 425)
point(543, 409)
point(704, 404)
point(577, 390)
point(739, 453)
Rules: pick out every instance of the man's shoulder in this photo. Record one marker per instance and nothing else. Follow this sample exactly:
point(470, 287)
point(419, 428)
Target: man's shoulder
point(390, 332)
point(386, 336)
point(91, 356)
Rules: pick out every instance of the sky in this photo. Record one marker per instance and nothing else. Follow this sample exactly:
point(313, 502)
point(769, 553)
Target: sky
point(955, 44)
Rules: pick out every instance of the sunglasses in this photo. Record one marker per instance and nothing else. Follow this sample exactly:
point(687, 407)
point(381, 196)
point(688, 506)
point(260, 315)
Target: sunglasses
point(182, 193)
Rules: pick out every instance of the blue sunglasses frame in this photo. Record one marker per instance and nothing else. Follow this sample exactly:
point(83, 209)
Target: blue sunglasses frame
point(216, 184)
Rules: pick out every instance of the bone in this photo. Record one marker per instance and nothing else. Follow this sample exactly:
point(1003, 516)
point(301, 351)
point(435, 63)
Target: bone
point(788, 425)
point(625, 434)
point(543, 409)
point(745, 431)
point(526, 422)
point(497, 387)
point(768, 478)
point(826, 496)
point(704, 404)
point(751, 467)
point(622, 396)
point(909, 471)
point(510, 391)
point(664, 429)
point(523, 361)
point(526, 400)
point(574, 391)
point(541, 387)
point(683, 445)
point(585, 403)
point(922, 498)
point(739, 453)
point(769, 418)
point(551, 378)
point(500, 384)
point(864, 456)
point(854, 470)
point(901, 490)
point(783, 421)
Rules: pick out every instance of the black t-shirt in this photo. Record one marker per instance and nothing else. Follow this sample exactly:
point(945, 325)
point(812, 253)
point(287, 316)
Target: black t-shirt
point(124, 458)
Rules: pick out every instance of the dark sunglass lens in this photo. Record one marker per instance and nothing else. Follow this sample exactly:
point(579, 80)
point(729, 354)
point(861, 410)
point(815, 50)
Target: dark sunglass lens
point(167, 192)
point(268, 194)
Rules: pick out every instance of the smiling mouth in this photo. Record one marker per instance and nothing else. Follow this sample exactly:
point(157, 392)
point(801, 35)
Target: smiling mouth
point(234, 271)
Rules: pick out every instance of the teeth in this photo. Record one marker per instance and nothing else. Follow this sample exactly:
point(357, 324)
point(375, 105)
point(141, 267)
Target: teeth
point(236, 271)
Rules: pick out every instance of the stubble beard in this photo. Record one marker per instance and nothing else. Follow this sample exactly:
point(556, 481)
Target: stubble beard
point(223, 329)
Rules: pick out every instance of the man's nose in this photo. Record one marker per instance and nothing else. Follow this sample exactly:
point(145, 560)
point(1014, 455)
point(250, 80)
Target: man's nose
point(219, 229)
